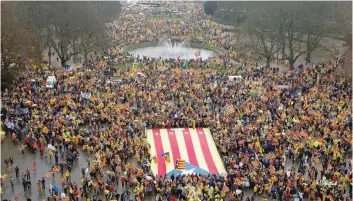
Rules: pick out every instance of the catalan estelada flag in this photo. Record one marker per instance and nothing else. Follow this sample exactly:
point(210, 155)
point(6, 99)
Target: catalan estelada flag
point(166, 156)
point(3, 177)
point(155, 159)
point(54, 169)
point(180, 164)
point(225, 188)
point(195, 147)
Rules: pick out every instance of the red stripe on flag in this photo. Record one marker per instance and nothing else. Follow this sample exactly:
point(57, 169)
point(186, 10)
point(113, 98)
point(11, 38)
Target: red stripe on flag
point(206, 151)
point(190, 147)
point(173, 145)
point(159, 150)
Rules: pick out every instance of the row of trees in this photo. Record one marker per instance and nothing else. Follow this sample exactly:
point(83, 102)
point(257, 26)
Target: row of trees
point(227, 12)
point(210, 7)
point(292, 29)
point(66, 28)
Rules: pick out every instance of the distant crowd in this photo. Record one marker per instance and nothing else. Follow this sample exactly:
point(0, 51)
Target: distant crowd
point(281, 136)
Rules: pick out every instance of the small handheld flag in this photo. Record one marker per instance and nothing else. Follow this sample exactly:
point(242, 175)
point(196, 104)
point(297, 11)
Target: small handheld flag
point(54, 169)
point(225, 188)
point(180, 164)
point(3, 177)
point(155, 159)
point(166, 156)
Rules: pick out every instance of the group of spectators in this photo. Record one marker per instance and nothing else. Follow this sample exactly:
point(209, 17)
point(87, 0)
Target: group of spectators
point(135, 25)
point(281, 136)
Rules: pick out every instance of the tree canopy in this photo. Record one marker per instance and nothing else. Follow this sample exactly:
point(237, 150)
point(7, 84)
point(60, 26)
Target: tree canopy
point(67, 28)
point(210, 7)
point(292, 28)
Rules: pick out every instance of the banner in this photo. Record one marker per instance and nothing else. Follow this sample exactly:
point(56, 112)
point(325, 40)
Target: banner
point(85, 95)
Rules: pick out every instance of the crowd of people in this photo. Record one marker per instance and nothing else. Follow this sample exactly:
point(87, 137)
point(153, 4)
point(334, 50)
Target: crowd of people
point(281, 136)
point(192, 25)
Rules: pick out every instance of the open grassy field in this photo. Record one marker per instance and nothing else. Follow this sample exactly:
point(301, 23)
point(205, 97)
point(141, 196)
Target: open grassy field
point(161, 18)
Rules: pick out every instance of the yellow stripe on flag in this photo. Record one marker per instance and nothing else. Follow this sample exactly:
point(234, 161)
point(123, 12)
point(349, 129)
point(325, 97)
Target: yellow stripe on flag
point(214, 152)
point(181, 144)
point(167, 148)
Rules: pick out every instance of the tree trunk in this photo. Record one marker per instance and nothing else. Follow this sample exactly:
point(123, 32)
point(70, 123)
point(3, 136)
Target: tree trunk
point(291, 64)
point(85, 55)
point(308, 57)
point(268, 61)
point(38, 54)
point(75, 59)
point(283, 48)
point(49, 55)
point(63, 61)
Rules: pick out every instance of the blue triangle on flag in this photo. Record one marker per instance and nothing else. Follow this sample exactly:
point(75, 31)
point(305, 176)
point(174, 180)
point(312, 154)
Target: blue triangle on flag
point(189, 169)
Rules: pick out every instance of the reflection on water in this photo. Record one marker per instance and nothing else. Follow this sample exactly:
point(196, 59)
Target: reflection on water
point(175, 52)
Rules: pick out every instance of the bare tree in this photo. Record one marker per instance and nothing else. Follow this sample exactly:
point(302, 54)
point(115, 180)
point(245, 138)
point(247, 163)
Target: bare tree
point(68, 28)
point(265, 44)
point(299, 26)
point(264, 35)
point(12, 36)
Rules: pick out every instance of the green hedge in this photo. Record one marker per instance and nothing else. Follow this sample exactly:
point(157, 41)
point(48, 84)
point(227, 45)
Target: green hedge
point(207, 47)
point(139, 45)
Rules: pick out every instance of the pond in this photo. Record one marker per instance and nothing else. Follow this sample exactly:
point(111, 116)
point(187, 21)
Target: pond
point(174, 51)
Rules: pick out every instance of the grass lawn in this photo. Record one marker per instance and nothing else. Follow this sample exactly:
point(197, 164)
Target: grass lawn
point(129, 65)
point(139, 45)
point(161, 18)
point(222, 21)
point(207, 47)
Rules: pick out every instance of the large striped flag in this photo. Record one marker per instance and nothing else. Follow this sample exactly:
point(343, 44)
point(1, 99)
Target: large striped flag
point(195, 146)
point(166, 157)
